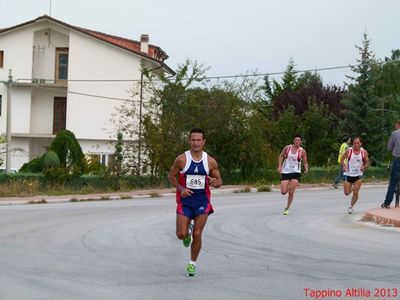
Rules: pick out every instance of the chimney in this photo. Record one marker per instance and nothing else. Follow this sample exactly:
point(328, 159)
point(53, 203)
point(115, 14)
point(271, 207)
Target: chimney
point(144, 43)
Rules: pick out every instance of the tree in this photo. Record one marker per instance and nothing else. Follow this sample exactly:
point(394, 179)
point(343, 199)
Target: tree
point(68, 152)
point(303, 104)
point(118, 154)
point(319, 133)
point(162, 125)
point(362, 104)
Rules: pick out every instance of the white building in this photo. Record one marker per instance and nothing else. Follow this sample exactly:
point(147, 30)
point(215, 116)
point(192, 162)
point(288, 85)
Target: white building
point(67, 77)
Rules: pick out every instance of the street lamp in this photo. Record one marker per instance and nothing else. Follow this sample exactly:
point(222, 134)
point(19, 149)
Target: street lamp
point(140, 113)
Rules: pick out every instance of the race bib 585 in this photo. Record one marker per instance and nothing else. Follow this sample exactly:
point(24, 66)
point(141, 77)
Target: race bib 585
point(195, 182)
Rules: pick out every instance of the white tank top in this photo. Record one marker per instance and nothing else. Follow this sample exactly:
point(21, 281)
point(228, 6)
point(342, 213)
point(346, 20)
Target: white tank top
point(292, 163)
point(355, 163)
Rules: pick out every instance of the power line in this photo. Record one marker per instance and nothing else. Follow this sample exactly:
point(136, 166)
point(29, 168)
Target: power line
point(227, 76)
point(205, 78)
point(86, 94)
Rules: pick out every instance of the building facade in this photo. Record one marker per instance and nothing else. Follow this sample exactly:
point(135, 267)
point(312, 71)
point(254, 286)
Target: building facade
point(67, 77)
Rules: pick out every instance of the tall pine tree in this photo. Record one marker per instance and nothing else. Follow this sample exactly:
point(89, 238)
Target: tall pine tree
point(362, 104)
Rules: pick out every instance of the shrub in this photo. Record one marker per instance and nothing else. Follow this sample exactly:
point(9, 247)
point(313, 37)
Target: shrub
point(51, 159)
point(69, 151)
point(264, 188)
point(34, 166)
point(56, 175)
point(96, 168)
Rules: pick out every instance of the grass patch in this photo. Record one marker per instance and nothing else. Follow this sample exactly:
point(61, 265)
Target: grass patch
point(264, 188)
point(155, 195)
point(43, 201)
point(125, 197)
point(247, 189)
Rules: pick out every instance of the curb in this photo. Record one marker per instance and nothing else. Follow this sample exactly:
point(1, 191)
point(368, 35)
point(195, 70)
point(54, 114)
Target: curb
point(102, 197)
point(386, 217)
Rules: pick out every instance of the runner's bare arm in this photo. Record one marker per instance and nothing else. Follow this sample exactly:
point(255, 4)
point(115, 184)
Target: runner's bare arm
point(366, 161)
point(305, 161)
point(178, 165)
point(215, 178)
point(281, 158)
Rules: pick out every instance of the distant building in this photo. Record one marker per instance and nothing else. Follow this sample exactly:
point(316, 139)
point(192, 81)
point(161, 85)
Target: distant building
point(59, 70)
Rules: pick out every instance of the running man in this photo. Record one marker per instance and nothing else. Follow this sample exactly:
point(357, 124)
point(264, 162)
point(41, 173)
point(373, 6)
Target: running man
point(196, 172)
point(354, 162)
point(289, 166)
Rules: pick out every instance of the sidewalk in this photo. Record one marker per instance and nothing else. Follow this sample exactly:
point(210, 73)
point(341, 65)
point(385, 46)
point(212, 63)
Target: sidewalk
point(387, 217)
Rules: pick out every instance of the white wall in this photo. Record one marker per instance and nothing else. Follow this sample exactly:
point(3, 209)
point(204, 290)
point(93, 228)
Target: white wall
point(18, 157)
point(45, 42)
point(97, 147)
point(42, 110)
point(37, 147)
point(92, 59)
point(3, 117)
point(20, 110)
point(17, 49)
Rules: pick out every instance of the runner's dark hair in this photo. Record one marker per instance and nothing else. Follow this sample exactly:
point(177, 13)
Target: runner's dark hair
point(198, 130)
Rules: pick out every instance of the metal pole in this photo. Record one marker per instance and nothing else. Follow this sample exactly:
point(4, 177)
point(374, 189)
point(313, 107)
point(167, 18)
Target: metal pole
point(8, 124)
point(140, 121)
point(140, 114)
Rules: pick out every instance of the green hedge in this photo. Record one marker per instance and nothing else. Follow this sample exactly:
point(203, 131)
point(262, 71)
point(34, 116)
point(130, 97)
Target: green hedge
point(25, 184)
point(315, 175)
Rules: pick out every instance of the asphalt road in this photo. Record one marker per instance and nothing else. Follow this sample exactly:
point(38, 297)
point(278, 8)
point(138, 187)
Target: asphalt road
point(127, 249)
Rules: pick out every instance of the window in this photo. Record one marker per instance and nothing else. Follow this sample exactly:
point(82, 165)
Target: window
point(61, 64)
point(59, 114)
point(104, 159)
point(1, 59)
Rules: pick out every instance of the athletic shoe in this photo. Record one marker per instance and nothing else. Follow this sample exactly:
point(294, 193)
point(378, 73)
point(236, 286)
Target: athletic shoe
point(383, 205)
point(188, 239)
point(350, 210)
point(286, 211)
point(334, 185)
point(191, 269)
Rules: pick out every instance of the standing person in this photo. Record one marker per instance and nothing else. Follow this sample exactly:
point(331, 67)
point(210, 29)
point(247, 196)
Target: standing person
point(196, 172)
point(354, 162)
point(343, 147)
point(289, 166)
point(394, 148)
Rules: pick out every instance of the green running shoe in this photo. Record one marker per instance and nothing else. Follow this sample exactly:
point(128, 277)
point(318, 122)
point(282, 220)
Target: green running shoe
point(286, 211)
point(188, 239)
point(191, 270)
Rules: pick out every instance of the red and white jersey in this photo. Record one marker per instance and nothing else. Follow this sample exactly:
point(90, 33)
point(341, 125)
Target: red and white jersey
point(354, 163)
point(292, 162)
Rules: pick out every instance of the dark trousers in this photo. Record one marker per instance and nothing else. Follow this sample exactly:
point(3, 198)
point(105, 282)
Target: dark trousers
point(339, 176)
point(394, 177)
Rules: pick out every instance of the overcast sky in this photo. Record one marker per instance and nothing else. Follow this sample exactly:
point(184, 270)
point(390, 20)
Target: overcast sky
point(233, 37)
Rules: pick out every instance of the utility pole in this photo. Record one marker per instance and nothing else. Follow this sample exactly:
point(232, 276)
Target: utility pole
point(140, 121)
point(140, 115)
point(8, 125)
